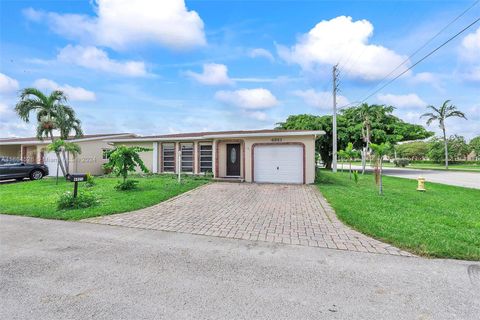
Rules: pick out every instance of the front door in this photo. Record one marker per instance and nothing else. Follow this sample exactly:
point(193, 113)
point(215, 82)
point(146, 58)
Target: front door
point(233, 159)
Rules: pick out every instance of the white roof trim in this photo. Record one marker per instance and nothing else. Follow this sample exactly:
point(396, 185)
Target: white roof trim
point(267, 134)
point(218, 136)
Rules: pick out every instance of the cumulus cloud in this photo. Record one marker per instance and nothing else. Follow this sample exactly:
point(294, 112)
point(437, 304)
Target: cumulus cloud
point(258, 98)
point(213, 74)
point(261, 53)
point(73, 93)
point(119, 24)
point(411, 100)
point(470, 47)
point(320, 99)
point(342, 40)
point(258, 115)
point(7, 84)
point(470, 55)
point(97, 59)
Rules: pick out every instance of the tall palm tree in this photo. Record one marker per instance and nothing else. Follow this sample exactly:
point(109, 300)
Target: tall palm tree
point(52, 113)
point(441, 114)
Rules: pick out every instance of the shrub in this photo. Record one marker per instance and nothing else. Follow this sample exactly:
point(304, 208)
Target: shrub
point(90, 180)
point(126, 185)
point(83, 200)
point(401, 162)
point(355, 176)
point(106, 169)
point(317, 174)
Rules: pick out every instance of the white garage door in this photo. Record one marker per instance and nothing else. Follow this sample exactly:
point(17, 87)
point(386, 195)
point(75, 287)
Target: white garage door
point(278, 164)
point(50, 160)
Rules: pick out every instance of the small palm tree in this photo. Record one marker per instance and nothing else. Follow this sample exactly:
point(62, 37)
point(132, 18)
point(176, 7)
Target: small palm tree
point(366, 115)
point(379, 150)
point(447, 110)
point(349, 153)
point(52, 113)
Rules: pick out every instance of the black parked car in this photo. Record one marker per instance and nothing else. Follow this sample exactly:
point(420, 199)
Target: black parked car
point(16, 169)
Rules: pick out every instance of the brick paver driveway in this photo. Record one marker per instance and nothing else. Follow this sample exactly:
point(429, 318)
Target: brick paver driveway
point(291, 214)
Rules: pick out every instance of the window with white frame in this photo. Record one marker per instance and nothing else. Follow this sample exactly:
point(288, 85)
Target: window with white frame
point(105, 153)
point(187, 157)
point(168, 157)
point(206, 158)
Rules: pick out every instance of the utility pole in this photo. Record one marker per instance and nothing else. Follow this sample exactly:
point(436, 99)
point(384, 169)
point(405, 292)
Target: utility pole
point(334, 120)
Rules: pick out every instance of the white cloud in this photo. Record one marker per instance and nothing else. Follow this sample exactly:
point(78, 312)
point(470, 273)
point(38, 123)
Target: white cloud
point(470, 47)
point(213, 74)
point(257, 115)
point(320, 99)
point(7, 84)
point(469, 52)
point(411, 100)
point(119, 24)
point(73, 93)
point(258, 98)
point(261, 53)
point(97, 59)
point(342, 40)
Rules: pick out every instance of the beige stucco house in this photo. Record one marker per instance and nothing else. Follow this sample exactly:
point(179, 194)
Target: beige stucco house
point(268, 156)
point(32, 150)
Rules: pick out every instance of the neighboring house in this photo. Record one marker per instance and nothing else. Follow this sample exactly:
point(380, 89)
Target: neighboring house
point(33, 150)
point(270, 156)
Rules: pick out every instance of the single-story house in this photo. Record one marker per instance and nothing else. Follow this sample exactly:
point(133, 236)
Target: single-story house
point(33, 150)
point(268, 156)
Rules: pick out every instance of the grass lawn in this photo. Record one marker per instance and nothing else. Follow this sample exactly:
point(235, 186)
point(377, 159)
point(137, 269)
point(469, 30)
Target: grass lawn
point(443, 222)
point(38, 198)
point(428, 166)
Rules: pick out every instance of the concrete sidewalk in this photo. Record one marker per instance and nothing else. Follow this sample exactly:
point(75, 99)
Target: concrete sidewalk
point(454, 178)
point(69, 270)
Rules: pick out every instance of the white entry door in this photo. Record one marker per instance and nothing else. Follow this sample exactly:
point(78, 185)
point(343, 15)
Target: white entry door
point(278, 163)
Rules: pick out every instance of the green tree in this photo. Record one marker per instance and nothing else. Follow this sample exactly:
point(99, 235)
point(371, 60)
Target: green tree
point(385, 127)
point(350, 154)
point(475, 146)
point(123, 160)
point(439, 115)
point(52, 113)
point(379, 151)
point(459, 149)
point(415, 150)
point(323, 144)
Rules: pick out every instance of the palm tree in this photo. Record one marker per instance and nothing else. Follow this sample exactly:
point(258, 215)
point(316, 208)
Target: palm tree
point(441, 114)
point(52, 113)
point(349, 153)
point(379, 150)
point(366, 115)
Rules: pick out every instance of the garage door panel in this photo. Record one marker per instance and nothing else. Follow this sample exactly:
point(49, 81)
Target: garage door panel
point(278, 164)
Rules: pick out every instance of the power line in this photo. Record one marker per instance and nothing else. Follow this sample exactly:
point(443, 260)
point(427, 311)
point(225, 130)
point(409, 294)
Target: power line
point(428, 42)
point(423, 58)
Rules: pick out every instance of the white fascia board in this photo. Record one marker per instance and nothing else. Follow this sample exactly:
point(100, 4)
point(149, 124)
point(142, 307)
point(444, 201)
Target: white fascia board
point(269, 134)
point(33, 142)
point(102, 137)
point(157, 139)
point(37, 142)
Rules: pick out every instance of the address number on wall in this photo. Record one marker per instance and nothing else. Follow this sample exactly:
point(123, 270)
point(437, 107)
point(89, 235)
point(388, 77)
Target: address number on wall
point(276, 139)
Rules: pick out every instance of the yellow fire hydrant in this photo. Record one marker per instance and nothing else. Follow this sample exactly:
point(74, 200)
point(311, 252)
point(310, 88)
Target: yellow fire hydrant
point(421, 184)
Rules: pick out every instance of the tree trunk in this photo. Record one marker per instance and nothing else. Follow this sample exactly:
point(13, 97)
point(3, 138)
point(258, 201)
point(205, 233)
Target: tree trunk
point(446, 147)
point(59, 159)
point(364, 159)
point(381, 181)
point(350, 170)
point(66, 162)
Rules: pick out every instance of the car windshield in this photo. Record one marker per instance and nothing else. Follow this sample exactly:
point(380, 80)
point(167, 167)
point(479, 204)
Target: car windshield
point(9, 161)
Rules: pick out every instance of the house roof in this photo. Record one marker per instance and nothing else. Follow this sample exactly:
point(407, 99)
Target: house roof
point(221, 134)
point(85, 137)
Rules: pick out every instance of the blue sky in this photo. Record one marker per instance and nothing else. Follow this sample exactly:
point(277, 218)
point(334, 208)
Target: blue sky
point(175, 66)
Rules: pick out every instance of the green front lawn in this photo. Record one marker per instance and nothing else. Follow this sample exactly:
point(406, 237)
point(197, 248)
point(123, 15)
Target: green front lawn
point(38, 198)
point(442, 222)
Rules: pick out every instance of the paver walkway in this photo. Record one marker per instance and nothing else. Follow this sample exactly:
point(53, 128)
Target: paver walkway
point(291, 214)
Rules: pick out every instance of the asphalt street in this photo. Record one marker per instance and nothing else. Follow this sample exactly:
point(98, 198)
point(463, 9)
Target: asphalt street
point(454, 178)
point(73, 270)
